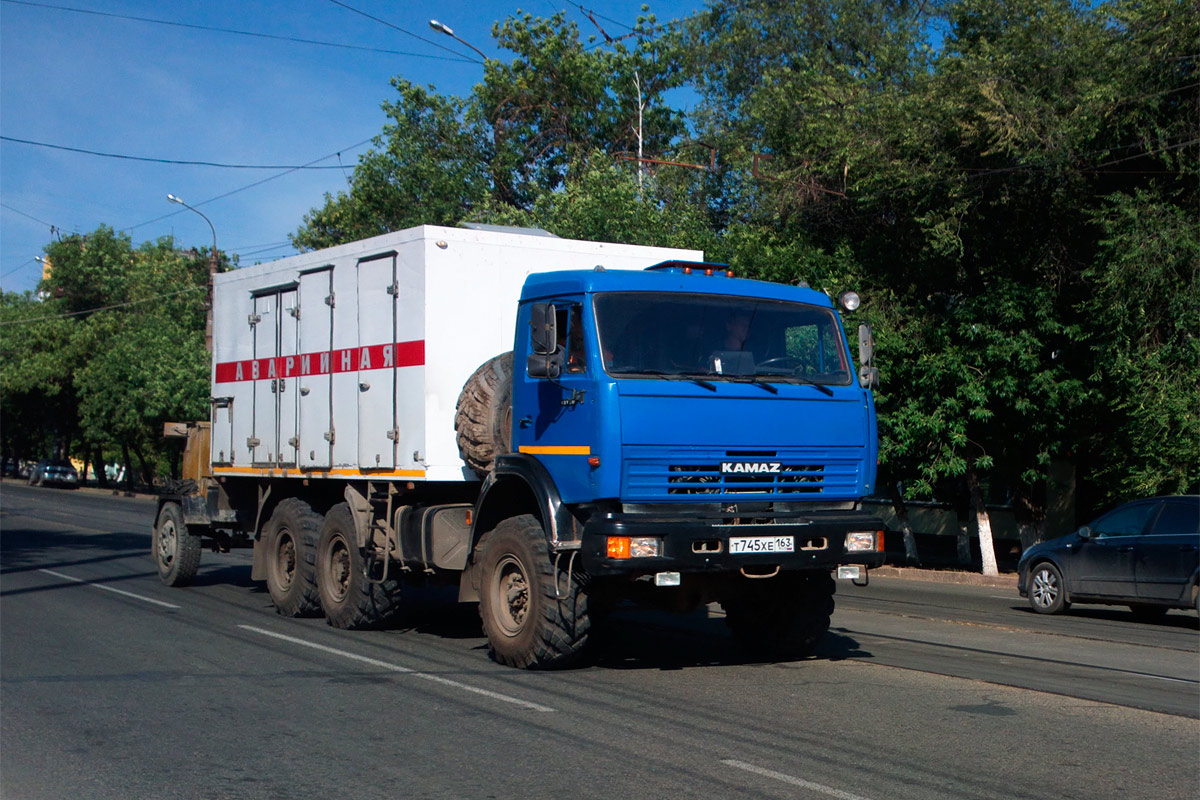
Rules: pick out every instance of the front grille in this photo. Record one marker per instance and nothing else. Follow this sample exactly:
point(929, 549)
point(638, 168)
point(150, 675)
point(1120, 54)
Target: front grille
point(708, 479)
point(654, 474)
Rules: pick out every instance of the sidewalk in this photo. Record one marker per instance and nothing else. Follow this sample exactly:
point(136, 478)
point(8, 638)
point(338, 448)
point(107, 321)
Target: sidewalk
point(1001, 581)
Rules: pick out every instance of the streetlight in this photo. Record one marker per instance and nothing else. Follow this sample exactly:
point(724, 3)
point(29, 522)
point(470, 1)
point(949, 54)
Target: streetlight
point(212, 270)
point(446, 29)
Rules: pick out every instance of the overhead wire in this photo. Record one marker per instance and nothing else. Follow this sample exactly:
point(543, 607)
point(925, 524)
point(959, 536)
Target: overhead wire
point(68, 314)
point(174, 161)
point(244, 188)
point(293, 39)
point(439, 45)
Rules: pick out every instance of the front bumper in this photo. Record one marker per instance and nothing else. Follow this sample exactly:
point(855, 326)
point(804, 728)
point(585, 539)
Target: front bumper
point(700, 544)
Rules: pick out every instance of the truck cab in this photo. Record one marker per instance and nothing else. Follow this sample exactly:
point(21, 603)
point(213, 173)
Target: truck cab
point(693, 437)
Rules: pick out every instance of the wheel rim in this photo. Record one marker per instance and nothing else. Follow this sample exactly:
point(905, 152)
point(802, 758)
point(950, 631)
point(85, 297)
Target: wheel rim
point(166, 542)
point(339, 569)
point(510, 592)
point(285, 560)
point(1045, 588)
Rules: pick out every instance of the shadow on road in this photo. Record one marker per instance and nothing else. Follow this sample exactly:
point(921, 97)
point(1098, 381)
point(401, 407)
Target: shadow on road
point(1177, 618)
point(23, 549)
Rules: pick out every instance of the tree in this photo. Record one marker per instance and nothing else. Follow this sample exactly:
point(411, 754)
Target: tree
point(115, 350)
point(513, 141)
point(429, 167)
point(965, 174)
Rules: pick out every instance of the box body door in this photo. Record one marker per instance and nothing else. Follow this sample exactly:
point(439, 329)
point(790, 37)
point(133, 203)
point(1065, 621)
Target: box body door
point(376, 362)
point(315, 382)
point(263, 423)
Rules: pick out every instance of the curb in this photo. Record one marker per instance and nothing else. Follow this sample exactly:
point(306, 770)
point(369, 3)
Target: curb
point(946, 576)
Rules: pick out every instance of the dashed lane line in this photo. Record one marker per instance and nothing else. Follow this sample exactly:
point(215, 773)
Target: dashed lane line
point(121, 592)
point(812, 786)
point(396, 668)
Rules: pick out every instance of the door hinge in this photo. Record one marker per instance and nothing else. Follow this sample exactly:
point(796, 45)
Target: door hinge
point(294, 311)
point(329, 437)
point(393, 288)
point(254, 319)
point(393, 434)
point(294, 441)
point(252, 442)
point(329, 300)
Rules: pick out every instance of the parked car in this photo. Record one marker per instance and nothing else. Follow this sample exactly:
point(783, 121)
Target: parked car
point(54, 473)
point(1144, 554)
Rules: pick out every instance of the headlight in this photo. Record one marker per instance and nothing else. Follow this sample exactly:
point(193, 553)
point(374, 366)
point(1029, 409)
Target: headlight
point(634, 546)
point(850, 300)
point(864, 541)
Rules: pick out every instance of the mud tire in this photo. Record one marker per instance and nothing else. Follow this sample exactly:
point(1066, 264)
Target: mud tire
point(483, 415)
point(527, 626)
point(781, 617)
point(349, 600)
point(291, 540)
point(176, 551)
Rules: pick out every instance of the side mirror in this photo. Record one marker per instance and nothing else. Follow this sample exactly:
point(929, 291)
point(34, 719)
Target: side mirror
point(1085, 532)
point(866, 345)
point(868, 373)
point(868, 377)
point(543, 329)
point(544, 366)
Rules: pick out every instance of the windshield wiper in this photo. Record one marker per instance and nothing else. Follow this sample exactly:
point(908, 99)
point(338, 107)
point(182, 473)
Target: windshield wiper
point(769, 387)
point(677, 376)
point(819, 386)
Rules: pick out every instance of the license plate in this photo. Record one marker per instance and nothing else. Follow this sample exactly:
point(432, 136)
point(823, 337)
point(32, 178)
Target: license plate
point(761, 544)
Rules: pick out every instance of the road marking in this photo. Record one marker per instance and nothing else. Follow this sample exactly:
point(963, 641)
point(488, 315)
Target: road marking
point(109, 589)
point(396, 668)
point(794, 781)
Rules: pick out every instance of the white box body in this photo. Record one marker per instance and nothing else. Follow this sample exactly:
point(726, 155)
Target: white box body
point(348, 362)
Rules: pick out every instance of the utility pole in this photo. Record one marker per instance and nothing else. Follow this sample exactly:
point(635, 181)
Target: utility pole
point(212, 271)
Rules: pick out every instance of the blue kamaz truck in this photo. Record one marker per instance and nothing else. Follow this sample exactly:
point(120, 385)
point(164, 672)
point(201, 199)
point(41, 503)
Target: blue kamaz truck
point(661, 432)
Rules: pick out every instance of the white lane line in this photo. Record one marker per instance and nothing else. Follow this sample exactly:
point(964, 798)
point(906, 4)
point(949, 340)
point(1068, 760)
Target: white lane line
point(794, 781)
point(109, 589)
point(396, 668)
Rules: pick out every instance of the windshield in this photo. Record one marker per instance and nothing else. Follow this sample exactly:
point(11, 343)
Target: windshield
point(719, 337)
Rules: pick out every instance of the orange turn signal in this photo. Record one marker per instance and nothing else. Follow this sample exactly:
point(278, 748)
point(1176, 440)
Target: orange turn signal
point(618, 547)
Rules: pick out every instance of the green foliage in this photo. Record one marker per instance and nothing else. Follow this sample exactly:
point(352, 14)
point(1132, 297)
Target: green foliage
point(1146, 346)
point(115, 349)
point(549, 111)
point(963, 175)
point(429, 167)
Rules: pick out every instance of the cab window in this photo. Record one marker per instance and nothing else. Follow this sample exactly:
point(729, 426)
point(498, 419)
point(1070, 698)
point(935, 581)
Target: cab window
point(569, 322)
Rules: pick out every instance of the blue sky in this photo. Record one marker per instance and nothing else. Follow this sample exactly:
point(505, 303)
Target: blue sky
point(122, 86)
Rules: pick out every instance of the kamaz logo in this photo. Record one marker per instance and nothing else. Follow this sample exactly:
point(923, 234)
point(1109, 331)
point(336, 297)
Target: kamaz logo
point(750, 467)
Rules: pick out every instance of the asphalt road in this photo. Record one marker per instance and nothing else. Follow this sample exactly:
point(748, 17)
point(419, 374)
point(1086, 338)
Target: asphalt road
point(115, 686)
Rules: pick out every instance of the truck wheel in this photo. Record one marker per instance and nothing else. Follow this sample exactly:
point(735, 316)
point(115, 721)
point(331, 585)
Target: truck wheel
point(483, 416)
point(526, 625)
point(782, 617)
point(291, 541)
point(350, 601)
point(176, 551)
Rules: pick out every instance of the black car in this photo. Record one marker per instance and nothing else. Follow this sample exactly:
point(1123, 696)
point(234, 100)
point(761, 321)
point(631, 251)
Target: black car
point(54, 473)
point(1144, 554)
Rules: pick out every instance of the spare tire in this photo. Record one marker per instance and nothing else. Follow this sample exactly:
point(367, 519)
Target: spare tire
point(483, 416)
